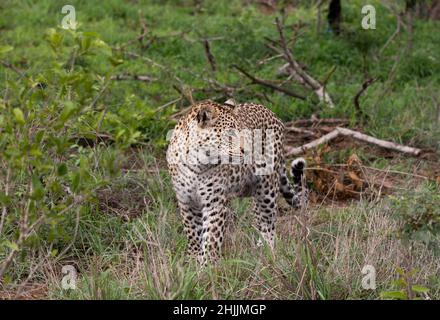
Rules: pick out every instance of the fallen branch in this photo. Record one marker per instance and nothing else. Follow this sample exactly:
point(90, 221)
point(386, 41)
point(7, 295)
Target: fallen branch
point(356, 135)
point(315, 143)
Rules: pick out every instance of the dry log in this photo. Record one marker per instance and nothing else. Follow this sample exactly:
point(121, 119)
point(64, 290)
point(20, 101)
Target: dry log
point(356, 135)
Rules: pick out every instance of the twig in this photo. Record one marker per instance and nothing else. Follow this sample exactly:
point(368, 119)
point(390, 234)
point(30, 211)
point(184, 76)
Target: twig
point(168, 104)
point(365, 86)
point(264, 61)
point(154, 63)
point(356, 135)
point(181, 113)
point(34, 269)
point(301, 130)
point(24, 232)
point(312, 122)
point(6, 192)
point(137, 77)
point(12, 67)
point(186, 93)
point(269, 84)
point(209, 54)
point(141, 37)
point(75, 232)
point(380, 170)
point(395, 33)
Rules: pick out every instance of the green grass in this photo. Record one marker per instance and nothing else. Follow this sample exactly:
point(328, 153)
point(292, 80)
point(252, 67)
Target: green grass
point(143, 258)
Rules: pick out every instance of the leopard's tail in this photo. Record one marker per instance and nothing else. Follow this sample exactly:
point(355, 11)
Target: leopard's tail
point(296, 193)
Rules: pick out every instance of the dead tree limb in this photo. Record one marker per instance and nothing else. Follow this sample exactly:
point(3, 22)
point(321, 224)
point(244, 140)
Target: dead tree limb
point(298, 72)
point(291, 151)
point(268, 84)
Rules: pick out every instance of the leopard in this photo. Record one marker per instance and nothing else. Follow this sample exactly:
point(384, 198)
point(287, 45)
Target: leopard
point(218, 152)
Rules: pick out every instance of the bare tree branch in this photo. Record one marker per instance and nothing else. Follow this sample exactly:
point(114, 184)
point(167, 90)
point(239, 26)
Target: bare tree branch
point(269, 84)
point(298, 72)
point(209, 54)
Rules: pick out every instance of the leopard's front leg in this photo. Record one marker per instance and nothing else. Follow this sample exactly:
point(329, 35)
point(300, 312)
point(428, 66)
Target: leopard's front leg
point(214, 213)
point(192, 221)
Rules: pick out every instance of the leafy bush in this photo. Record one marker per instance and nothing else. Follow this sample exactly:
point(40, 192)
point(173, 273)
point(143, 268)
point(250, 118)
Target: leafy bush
point(46, 174)
point(404, 288)
point(419, 215)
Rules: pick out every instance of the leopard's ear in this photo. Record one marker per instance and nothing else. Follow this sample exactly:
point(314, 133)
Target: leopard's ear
point(206, 116)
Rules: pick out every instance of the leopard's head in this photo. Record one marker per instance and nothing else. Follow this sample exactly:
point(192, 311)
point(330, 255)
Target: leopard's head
point(215, 134)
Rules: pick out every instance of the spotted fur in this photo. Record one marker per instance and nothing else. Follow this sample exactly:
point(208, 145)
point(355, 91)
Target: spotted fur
point(204, 189)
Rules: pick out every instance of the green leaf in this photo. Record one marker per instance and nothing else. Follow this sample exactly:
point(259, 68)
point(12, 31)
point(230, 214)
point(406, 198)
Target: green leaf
point(85, 44)
point(19, 116)
point(76, 179)
point(115, 61)
point(400, 283)
point(62, 169)
point(420, 289)
point(54, 252)
point(38, 190)
point(393, 295)
point(55, 39)
point(68, 111)
point(7, 279)
point(400, 271)
point(35, 152)
point(4, 49)
point(4, 198)
point(12, 245)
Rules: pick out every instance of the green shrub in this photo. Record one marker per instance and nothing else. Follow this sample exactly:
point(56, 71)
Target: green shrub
point(419, 216)
point(47, 176)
